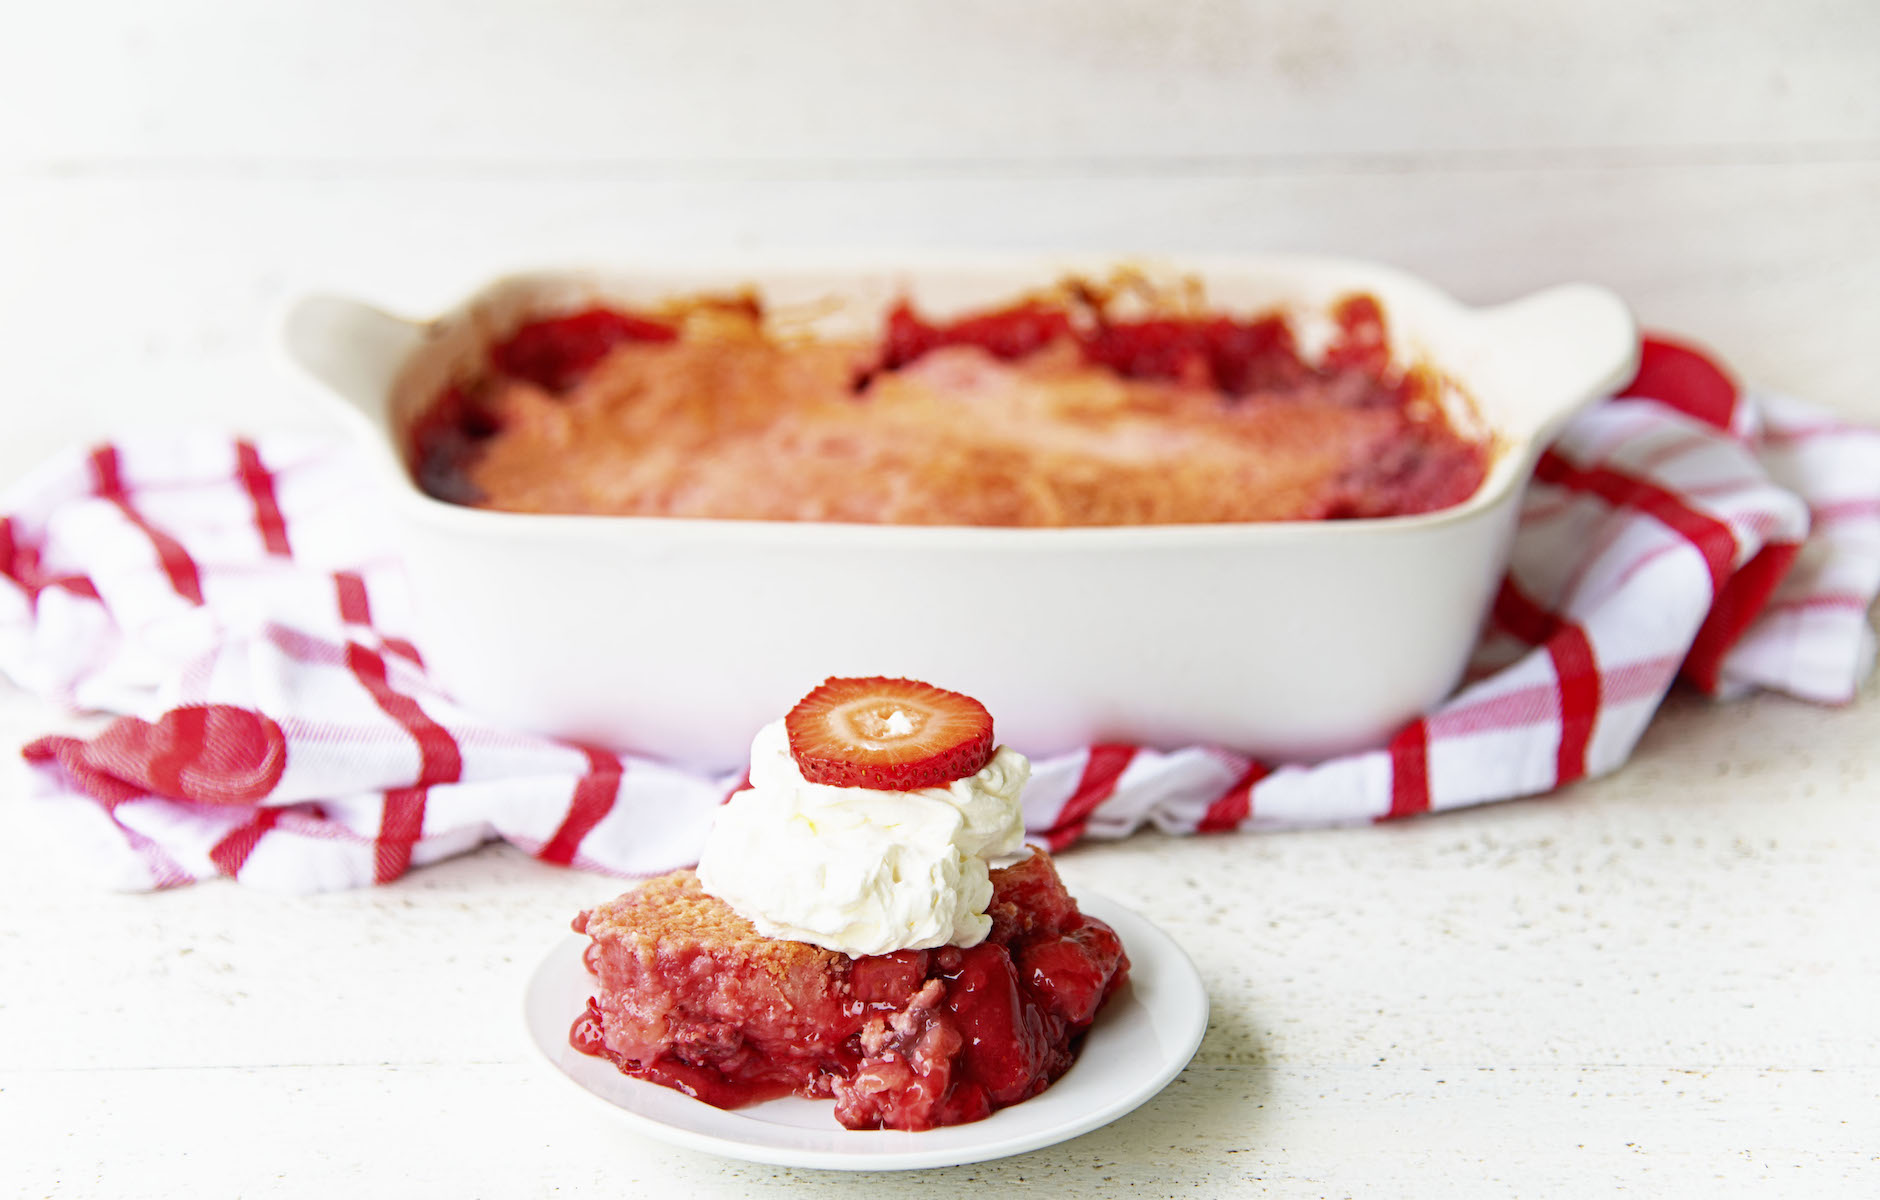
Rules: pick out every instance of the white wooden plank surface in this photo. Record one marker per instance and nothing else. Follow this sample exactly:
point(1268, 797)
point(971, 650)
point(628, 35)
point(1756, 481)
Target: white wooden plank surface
point(1661, 982)
point(644, 86)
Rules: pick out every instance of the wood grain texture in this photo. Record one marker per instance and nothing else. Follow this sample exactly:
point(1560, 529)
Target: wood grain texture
point(646, 87)
point(1661, 982)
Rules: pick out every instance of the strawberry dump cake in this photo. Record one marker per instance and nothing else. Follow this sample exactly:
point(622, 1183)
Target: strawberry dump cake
point(1077, 406)
point(844, 937)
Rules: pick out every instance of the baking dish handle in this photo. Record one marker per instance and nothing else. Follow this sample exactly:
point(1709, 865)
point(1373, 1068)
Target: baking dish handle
point(353, 349)
point(1555, 352)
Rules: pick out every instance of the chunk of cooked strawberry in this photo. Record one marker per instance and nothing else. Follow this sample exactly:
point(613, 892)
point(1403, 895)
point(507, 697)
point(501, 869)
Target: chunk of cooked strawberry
point(1007, 1045)
point(1029, 901)
point(556, 352)
point(887, 979)
point(888, 734)
point(1069, 976)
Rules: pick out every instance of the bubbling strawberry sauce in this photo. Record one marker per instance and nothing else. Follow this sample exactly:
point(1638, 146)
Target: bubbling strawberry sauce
point(1228, 355)
point(909, 1040)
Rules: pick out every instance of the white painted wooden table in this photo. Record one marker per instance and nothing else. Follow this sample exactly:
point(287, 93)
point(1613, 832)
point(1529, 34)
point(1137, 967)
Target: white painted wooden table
point(1663, 982)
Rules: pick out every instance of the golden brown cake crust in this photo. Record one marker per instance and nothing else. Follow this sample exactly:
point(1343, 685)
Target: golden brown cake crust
point(673, 912)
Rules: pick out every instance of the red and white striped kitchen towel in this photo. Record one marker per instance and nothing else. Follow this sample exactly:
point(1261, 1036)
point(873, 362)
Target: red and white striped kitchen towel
point(229, 599)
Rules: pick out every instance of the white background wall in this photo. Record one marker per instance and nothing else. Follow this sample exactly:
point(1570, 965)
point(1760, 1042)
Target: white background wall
point(171, 173)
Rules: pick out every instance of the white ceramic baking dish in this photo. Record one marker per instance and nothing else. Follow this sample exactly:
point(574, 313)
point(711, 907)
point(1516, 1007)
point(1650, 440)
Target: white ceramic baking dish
point(677, 638)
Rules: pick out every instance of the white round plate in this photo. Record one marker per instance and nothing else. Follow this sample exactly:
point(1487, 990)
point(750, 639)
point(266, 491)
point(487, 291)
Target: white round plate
point(1141, 1040)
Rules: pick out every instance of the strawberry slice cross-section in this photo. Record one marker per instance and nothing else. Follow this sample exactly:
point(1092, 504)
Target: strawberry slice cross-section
point(888, 734)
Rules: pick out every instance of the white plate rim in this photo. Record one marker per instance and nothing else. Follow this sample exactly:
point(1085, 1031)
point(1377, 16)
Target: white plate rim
point(1165, 991)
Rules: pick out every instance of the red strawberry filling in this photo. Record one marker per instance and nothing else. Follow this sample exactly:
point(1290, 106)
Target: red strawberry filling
point(557, 352)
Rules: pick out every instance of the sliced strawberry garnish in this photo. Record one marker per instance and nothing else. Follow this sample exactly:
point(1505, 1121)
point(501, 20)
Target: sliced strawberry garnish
point(888, 734)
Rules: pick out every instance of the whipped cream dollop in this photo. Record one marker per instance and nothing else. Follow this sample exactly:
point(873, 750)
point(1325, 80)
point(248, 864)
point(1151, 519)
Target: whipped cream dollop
point(857, 870)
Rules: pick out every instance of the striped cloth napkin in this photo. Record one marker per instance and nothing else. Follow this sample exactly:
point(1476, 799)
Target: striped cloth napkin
point(230, 601)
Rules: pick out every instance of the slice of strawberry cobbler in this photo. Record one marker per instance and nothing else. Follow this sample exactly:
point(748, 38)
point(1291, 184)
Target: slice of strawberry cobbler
point(845, 935)
point(691, 996)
